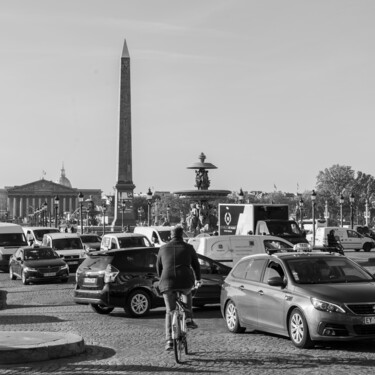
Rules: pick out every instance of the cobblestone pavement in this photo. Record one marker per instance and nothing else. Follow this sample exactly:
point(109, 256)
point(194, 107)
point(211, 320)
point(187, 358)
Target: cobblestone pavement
point(117, 344)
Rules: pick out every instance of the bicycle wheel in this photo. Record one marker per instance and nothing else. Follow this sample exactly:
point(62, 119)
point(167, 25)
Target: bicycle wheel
point(178, 346)
point(185, 344)
point(178, 338)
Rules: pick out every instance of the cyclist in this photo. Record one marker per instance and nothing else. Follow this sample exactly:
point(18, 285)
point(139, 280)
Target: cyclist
point(178, 267)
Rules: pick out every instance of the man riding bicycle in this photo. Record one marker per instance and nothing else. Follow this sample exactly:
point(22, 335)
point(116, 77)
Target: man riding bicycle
point(178, 267)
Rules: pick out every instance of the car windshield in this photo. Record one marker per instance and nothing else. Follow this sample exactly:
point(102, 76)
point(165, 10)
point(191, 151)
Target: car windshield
point(67, 244)
point(321, 270)
point(133, 242)
point(165, 235)
point(34, 254)
point(12, 239)
point(39, 233)
point(86, 239)
point(283, 228)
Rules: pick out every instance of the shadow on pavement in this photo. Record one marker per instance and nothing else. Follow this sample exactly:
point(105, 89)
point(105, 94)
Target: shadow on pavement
point(28, 319)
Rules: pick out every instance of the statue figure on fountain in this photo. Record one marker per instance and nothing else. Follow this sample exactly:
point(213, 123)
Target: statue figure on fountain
point(202, 181)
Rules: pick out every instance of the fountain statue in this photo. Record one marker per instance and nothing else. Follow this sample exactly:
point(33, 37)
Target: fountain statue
point(202, 217)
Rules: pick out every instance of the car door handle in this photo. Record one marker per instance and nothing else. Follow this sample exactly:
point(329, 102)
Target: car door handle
point(241, 287)
point(260, 292)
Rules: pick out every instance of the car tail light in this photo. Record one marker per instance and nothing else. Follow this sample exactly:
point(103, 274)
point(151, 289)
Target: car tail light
point(110, 274)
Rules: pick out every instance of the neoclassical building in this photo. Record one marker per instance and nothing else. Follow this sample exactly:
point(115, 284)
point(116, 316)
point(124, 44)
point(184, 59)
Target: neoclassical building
point(23, 201)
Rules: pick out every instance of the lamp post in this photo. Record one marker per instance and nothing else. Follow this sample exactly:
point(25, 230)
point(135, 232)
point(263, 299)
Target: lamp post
point(168, 208)
point(301, 212)
point(240, 196)
point(341, 203)
point(80, 200)
point(367, 214)
point(313, 197)
point(45, 206)
point(149, 202)
point(104, 207)
point(57, 201)
point(351, 199)
point(123, 205)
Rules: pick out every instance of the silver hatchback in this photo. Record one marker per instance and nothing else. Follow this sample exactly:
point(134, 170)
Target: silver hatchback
point(307, 296)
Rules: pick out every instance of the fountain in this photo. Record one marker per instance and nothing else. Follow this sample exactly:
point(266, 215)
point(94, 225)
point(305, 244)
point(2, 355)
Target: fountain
point(202, 217)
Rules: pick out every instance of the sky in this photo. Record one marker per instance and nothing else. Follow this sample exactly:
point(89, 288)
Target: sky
point(271, 91)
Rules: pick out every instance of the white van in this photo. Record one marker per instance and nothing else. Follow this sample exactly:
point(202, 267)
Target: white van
point(158, 235)
point(350, 239)
point(112, 241)
point(11, 239)
point(37, 233)
point(230, 249)
point(67, 245)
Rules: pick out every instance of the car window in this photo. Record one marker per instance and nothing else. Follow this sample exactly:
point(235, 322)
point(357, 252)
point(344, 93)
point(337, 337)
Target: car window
point(353, 234)
point(165, 235)
point(135, 261)
point(276, 245)
point(239, 270)
point(12, 239)
point(254, 269)
point(126, 242)
point(273, 269)
point(67, 244)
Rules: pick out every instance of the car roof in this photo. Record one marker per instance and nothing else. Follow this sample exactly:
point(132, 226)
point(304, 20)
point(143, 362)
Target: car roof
point(62, 235)
point(36, 247)
point(114, 251)
point(124, 235)
point(33, 228)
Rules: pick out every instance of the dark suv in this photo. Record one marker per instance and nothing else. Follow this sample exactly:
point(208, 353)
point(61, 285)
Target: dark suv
point(127, 278)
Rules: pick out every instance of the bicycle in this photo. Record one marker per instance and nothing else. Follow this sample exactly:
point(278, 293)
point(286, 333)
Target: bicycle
point(179, 329)
point(178, 325)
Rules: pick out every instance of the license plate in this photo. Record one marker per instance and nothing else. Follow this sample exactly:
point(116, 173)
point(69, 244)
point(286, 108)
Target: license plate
point(89, 280)
point(70, 262)
point(369, 320)
point(50, 274)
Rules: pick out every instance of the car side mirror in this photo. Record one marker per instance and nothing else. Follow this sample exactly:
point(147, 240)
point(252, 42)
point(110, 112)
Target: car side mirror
point(18, 258)
point(276, 281)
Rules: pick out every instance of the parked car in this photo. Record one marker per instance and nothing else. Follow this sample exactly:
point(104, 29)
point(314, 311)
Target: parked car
point(37, 233)
point(307, 296)
point(91, 241)
point(112, 241)
point(69, 245)
point(37, 264)
point(127, 278)
point(11, 238)
point(349, 239)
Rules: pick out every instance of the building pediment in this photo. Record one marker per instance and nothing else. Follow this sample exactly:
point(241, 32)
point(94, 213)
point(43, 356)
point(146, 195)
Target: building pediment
point(42, 187)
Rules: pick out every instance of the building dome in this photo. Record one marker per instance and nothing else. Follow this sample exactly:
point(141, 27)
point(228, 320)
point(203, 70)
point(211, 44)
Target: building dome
point(63, 180)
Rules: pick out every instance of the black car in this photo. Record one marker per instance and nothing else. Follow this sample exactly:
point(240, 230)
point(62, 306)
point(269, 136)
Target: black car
point(37, 264)
point(127, 278)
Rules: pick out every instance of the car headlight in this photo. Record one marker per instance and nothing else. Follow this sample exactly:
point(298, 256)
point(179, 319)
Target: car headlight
point(327, 306)
point(28, 269)
point(65, 267)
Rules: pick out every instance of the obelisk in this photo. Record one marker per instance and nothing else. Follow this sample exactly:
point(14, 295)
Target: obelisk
point(123, 215)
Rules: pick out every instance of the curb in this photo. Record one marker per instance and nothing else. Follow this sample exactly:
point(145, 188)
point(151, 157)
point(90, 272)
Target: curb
point(30, 346)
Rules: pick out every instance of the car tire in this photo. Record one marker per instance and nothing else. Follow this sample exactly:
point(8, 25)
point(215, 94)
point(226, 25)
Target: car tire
point(12, 276)
point(24, 279)
point(138, 303)
point(101, 309)
point(298, 330)
point(367, 247)
point(231, 318)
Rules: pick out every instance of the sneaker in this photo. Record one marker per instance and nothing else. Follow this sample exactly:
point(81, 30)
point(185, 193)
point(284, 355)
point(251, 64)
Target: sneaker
point(169, 345)
point(191, 324)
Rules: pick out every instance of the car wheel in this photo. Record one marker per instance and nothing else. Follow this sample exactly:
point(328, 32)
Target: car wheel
point(138, 303)
point(367, 247)
point(12, 276)
point(232, 319)
point(24, 279)
point(298, 330)
point(101, 309)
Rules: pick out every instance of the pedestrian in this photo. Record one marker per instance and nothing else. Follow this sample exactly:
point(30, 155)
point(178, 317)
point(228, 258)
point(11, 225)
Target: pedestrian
point(30, 238)
point(178, 268)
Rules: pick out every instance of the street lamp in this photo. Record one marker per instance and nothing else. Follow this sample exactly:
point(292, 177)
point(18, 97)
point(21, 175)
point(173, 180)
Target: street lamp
point(313, 197)
point(149, 202)
point(341, 203)
point(168, 208)
point(240, 196)
point(301, 212)
point(123, 205)
point(351, 199)
point(80, 200)
point(57, 201)
point(367, 214)
point(104, 207)
point(45, 206)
